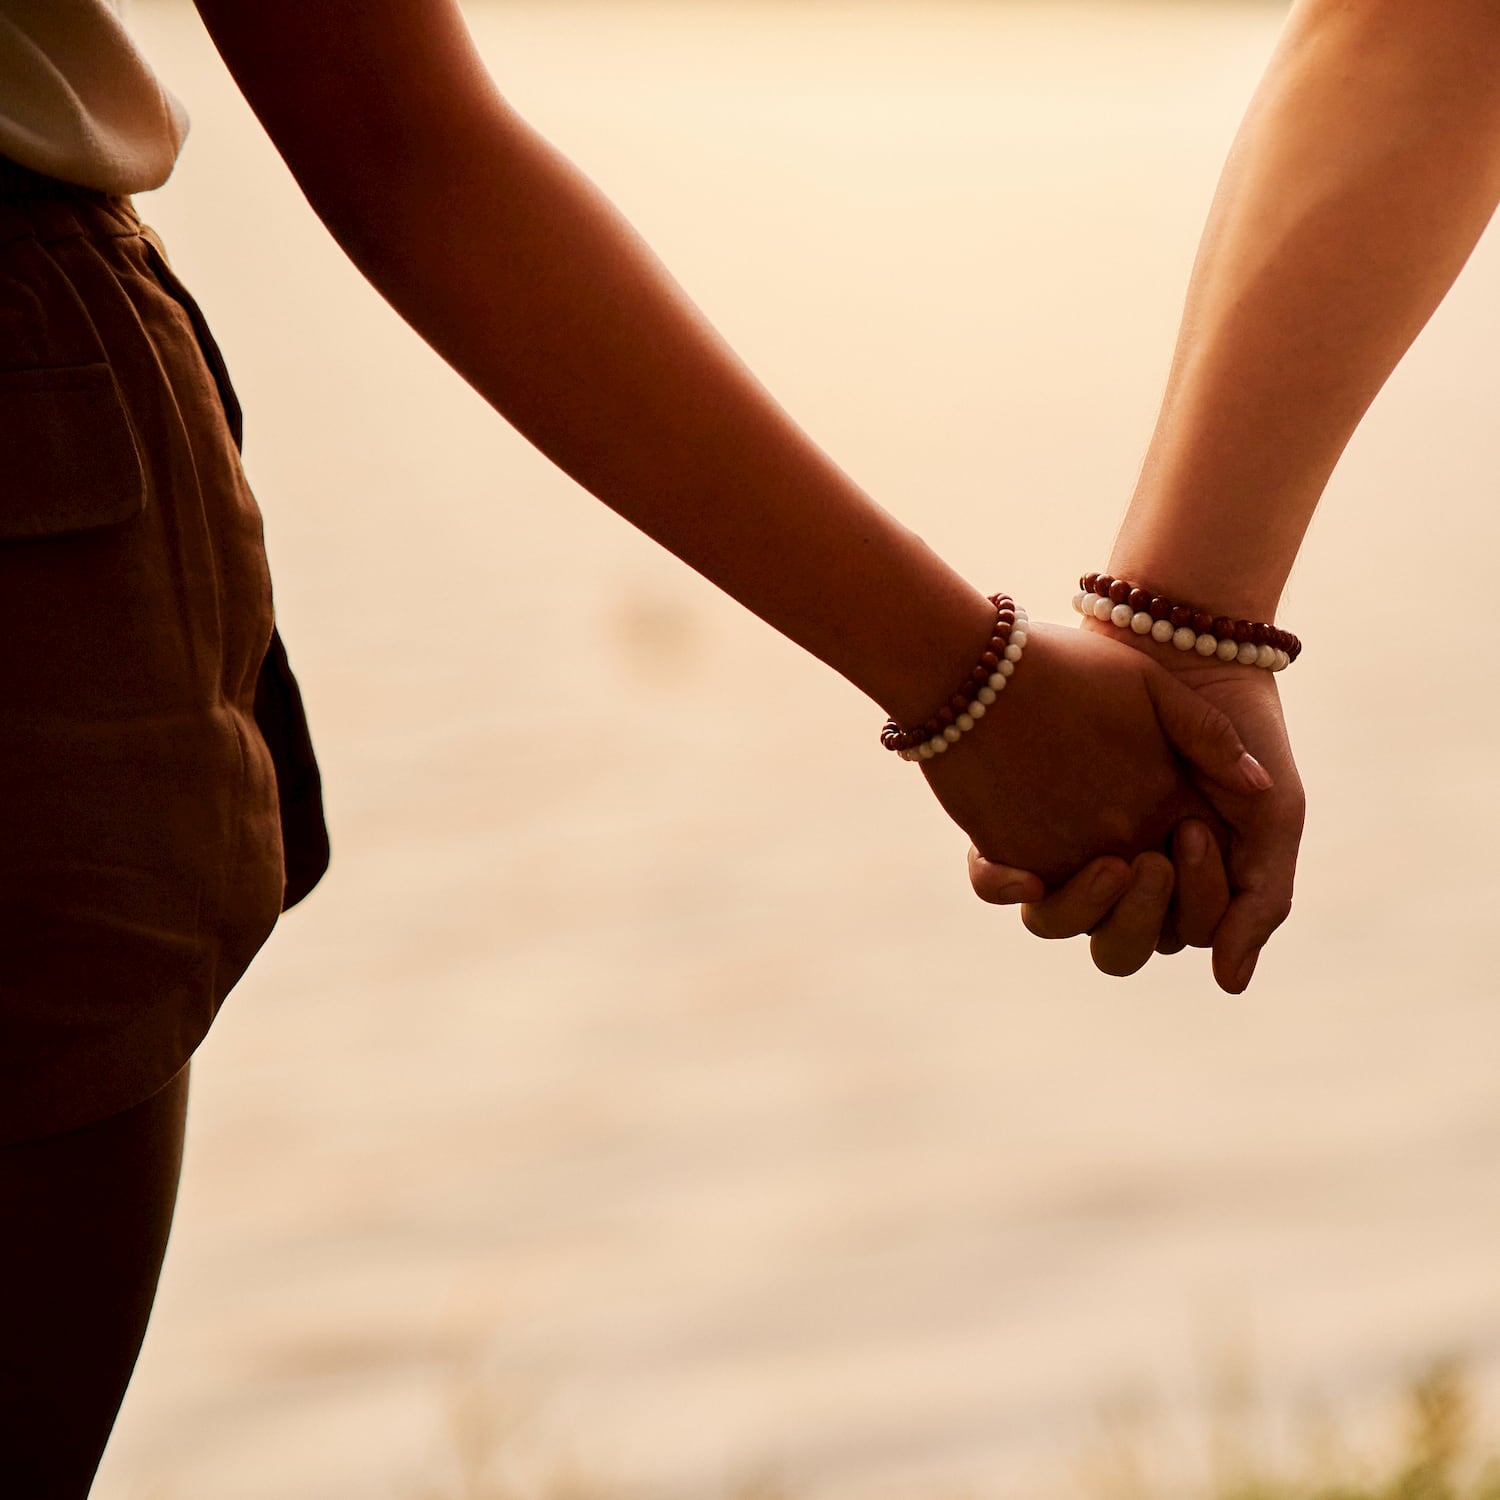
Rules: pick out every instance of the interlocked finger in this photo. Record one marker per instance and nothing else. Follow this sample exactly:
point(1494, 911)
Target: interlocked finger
point(1081, 902)
point(1129, 933)
point(1202, 888)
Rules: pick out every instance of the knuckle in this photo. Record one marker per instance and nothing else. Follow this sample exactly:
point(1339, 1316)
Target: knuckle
point(1215, 730)
point(1035, 922)
point(1116, 826)
point(1049, 925)
point(1117, 961)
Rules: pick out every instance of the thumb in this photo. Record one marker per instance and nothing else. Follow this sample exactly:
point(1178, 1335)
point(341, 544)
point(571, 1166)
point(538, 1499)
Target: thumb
point(1204, 736)
point(1262, 870)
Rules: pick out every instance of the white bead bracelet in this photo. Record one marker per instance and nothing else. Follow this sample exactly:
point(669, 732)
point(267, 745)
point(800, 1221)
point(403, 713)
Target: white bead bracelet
point(1183, 637)
point(976, 694)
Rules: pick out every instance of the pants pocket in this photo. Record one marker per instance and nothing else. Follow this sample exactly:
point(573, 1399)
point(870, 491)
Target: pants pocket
point(68, 452)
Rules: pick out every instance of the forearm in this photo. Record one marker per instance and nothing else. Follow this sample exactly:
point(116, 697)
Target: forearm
point(530, 284)
point(1365, 170)
point(533, 288)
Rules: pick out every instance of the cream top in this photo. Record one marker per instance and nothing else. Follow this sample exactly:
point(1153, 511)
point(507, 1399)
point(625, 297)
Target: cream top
point(78, 101)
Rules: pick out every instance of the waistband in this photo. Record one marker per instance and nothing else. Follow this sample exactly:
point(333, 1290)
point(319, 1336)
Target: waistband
point(33, 203)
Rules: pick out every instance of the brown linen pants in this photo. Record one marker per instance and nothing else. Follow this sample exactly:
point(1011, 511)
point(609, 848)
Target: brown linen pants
point(160, 803)
point(159, 800)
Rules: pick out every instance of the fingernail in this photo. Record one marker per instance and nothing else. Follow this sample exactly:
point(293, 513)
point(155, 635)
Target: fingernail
point(1194, 843)
point(1242, 979)
point(1105, 883)
point(1008, 895)
point(1254, 773)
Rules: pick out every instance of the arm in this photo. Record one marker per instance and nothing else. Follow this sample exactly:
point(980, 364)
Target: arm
point(529, 283)
point(1366, 168)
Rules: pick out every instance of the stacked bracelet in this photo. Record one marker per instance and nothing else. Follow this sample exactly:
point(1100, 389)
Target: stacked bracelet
point(972, 698)
point(1252, 643)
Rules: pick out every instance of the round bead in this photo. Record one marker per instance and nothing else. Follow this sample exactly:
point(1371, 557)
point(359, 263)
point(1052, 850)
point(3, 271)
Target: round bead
point(1078, 599)
point(1227, 649)
point(1004, 669)
point(1140, 622)
point(1159, 608)
point(980, 674)
point(1086, 607)
point(1223, 627)
point(943, 716)
point(1282, 661)
point(1183, 638)
point(964, 723)
point(953, 734)
point(1139, 599)
point(1202, 622)
point(1019, 639)
point(1012, 653)
point(986, 694)
point(990, 660)
point(925, 751)
point(977, 709)
point(958, 702)
point(939, 744)
point(997, 682)
point(1120, 615)
point(1102, 583)
point(1161, 631)
point(1247, 653)
point(1119, 591)
point(1242, 629)
point(1264, 655)
point(1181, 615)
point(1205, 645)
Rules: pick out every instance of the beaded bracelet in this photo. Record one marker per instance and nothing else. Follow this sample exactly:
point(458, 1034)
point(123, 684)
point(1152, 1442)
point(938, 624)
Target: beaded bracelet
point(1252, 643)
point(972, 698)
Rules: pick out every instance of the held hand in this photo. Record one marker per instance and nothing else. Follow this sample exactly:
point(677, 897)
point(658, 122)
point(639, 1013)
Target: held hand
point(1080, 759)
point(1128, 910)
point(1265, 831)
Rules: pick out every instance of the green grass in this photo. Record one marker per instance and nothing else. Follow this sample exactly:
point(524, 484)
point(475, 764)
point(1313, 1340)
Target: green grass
point(1433, 1451)
point(1439, 1457)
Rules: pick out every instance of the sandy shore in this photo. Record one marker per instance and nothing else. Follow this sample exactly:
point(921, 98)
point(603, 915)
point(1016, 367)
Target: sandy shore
point(632, 1063)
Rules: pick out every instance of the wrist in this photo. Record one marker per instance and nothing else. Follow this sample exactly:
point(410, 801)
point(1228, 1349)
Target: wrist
point(1206, 581)
point(1184, 560)
point(936, 642)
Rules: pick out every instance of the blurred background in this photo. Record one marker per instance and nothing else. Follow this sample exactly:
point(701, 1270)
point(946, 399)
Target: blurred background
point(645, 1087)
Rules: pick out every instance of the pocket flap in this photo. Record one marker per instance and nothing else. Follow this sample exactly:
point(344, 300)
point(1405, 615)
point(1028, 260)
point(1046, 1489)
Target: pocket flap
point(68, 457)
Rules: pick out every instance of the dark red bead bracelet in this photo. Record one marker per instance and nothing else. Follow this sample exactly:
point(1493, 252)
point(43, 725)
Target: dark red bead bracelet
point(972, 697)
point(1202, 622)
